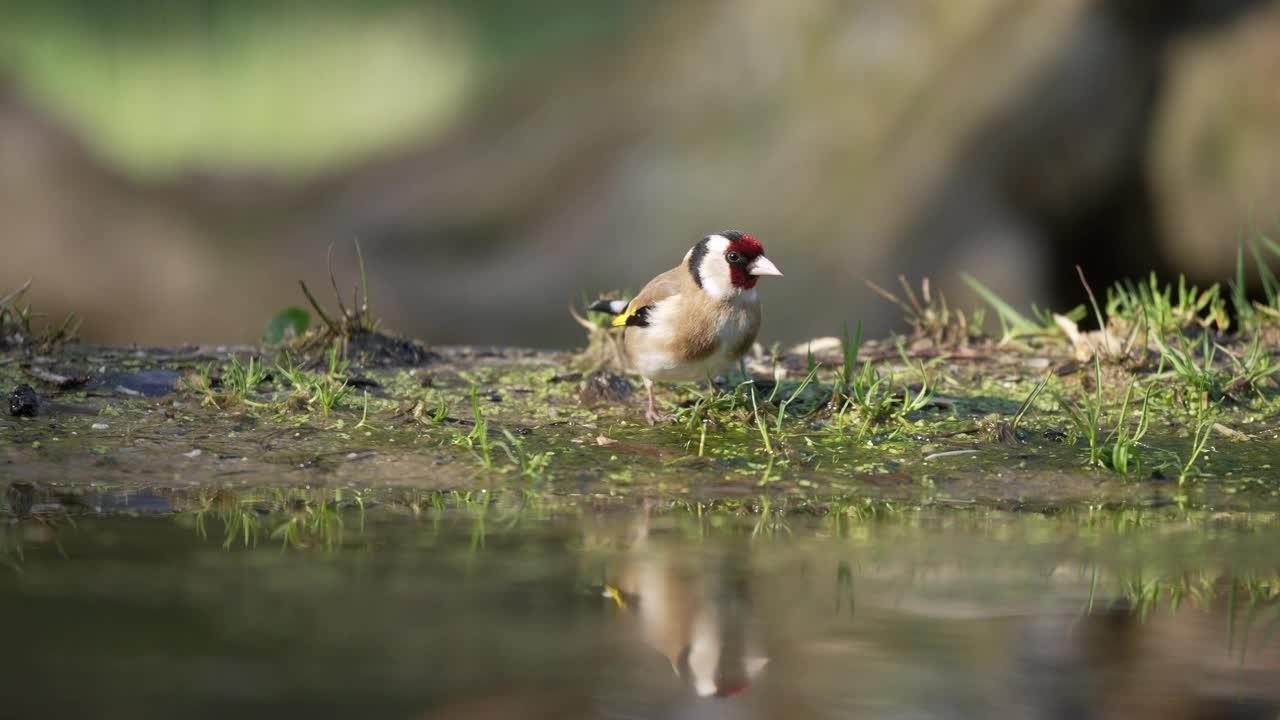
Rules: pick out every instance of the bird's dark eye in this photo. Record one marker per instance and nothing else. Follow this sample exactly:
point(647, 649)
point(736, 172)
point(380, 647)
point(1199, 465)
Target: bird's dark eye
point(733, 256)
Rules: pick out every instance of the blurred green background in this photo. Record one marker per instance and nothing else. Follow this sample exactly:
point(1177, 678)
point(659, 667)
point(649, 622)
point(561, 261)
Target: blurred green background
point(161, 86)
point(170, 168)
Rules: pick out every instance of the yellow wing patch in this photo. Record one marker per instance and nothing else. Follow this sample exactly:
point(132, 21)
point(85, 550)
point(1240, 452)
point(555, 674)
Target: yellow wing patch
point(616, 595)
point(635, 314)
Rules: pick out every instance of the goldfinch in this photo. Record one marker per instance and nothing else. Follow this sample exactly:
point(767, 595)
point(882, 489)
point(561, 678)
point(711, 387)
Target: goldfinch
point(697, 318)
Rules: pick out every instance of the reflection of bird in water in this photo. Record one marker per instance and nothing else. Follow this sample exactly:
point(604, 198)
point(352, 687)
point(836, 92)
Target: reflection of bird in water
point(694, 609)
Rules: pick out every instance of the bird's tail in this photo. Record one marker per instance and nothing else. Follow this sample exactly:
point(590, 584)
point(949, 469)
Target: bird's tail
point(613, 307)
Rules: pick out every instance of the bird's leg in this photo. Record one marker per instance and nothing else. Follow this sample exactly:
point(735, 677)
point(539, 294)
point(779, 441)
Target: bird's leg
point(652, 414)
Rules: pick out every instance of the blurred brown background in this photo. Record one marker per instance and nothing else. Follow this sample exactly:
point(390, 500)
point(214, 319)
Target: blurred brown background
point(170, 168)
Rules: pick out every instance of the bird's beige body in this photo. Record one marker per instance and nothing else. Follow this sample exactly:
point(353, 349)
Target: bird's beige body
point(691, 334)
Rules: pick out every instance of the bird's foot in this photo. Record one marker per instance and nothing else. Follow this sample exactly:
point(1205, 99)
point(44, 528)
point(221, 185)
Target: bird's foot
point(655, 417)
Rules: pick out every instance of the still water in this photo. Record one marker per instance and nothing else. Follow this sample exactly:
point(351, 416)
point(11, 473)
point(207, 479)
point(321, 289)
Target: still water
point(208, 605)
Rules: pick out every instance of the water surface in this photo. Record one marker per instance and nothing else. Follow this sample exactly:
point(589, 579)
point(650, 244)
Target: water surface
point(303, 604)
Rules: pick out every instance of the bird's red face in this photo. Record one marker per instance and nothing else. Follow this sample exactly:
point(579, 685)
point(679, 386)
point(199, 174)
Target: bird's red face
point(745, 256)
point(728, 263)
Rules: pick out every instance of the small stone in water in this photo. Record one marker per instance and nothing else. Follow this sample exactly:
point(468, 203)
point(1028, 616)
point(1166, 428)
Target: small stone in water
point(23, 402)
point(603, 386)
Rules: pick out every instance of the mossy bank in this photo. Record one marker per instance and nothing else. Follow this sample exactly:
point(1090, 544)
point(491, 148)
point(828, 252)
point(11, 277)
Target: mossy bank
point(1173, 402)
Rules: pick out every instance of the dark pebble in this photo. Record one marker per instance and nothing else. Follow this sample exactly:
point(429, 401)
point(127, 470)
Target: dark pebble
point(603, 386)
point(154, 382)
point(23, 402)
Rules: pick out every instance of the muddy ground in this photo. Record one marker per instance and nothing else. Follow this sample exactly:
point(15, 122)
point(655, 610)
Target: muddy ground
point(540, 424)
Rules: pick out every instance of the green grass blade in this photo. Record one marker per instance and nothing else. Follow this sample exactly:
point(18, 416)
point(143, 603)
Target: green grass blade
point(1017, 320)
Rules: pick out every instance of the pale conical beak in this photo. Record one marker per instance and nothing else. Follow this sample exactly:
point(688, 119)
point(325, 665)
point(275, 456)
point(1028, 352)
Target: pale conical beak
point(763, 266)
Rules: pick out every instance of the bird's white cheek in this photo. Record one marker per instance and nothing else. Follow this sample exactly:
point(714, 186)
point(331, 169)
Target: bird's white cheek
point(715, 276)
point(714, 286)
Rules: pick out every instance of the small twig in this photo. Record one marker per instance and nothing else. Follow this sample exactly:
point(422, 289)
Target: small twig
point(16, 293)
point(948, 453)
point(911, 295)
point(364, 281)
point(1092, 300)
point(62, 381)
point(319, 310)
point(889, 296)
point(70, 327)
point(585, 323)
point(334, 282)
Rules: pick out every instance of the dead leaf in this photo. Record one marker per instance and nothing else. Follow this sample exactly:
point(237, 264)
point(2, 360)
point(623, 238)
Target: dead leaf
point(1088, 344)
